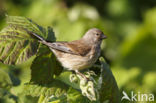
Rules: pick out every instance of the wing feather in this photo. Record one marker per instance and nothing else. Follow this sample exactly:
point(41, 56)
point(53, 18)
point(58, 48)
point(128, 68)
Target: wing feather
point(74, 47)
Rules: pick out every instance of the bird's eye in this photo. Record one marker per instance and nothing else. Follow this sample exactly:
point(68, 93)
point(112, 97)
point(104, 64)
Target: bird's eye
point(97, 34)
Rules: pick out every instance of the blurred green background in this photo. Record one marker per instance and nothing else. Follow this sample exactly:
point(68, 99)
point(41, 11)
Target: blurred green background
point(130, 25)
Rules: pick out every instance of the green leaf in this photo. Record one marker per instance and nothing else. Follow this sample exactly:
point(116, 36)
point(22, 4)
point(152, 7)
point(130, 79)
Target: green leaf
point(44, 67)
point(16, 44)
point(74, 96)
point(9, 76)
point(5, 80)
point(50, 34)
point(7, 97)
point(56, 88)
point(27, 24)
point(60, 99)
point(108, 89)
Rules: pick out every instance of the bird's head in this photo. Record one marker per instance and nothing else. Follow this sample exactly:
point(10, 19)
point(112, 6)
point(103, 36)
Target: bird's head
point(94, 36)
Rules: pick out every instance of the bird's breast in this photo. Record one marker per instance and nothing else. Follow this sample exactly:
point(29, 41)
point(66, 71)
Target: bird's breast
point(94, 54)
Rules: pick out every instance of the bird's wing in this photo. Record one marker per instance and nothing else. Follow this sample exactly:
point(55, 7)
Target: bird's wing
point(74, 47)
point(79, 47)
point(61, 47)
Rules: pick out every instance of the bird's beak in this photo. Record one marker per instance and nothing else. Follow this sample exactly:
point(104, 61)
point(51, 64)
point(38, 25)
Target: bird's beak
point(104, 36)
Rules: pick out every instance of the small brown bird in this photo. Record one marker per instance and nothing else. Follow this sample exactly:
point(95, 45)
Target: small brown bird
point(79, 54)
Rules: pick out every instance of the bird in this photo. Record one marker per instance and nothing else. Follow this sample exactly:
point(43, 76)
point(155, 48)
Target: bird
point(79, 54)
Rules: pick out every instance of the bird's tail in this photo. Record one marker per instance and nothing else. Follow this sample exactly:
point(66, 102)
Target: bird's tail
point(35, 35)
point(41, 40)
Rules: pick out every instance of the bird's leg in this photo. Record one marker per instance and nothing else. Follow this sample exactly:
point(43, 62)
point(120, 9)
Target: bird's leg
point(82, 75)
